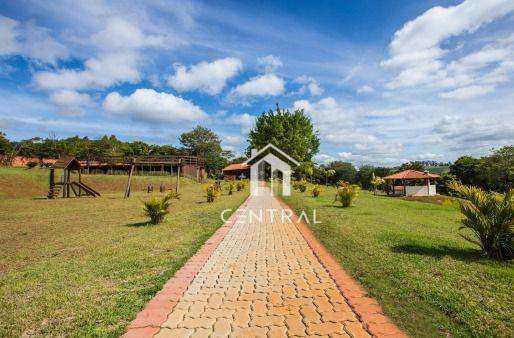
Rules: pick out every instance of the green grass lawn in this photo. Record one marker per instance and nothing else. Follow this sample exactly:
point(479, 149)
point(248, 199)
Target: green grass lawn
point(85, 267)
point(410, 257)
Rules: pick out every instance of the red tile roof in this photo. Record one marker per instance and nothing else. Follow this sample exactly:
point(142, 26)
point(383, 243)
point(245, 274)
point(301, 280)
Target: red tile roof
point(410, 174)
point(236, 166)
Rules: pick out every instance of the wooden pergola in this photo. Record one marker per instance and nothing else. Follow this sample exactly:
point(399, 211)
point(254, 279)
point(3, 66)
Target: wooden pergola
point(410, 178)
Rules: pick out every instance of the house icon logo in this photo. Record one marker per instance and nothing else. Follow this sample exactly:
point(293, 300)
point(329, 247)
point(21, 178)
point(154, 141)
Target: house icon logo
point(278, 160)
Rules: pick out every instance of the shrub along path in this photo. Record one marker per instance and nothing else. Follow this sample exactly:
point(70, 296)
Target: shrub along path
point(259, 278)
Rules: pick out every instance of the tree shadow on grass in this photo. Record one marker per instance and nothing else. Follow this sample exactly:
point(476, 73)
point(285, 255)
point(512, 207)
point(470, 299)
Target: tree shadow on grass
point(468, 255)
point(138, 224)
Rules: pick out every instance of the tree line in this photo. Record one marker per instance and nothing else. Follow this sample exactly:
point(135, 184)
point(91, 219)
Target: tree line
point(199, 141)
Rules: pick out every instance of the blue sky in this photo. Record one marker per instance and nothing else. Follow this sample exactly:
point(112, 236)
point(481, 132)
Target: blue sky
point(384, 81)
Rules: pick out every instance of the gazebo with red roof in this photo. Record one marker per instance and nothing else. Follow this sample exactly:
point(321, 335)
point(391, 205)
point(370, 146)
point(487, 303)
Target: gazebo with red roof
point(413, 183)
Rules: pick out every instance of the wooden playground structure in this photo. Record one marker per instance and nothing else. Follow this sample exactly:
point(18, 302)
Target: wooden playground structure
point(65, 185)
point(174, 166)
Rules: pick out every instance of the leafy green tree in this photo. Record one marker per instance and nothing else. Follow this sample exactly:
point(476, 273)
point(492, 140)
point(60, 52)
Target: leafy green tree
point(465, 169)
point(497, 171)
point(344, 171)
point(412, 166)
point(238, 160)
point(204, 142)
point(364, 176)
point(328, 173)
point(5, 144)
point(292, 132)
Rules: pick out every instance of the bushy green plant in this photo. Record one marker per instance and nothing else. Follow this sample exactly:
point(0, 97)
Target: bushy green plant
point(211, 192)
point(316, 190)
point(490, 217)
point(230, 187)
point(296, 185)
point(156, 209)
point(241, 185)
point(346, 193)
point(31, 164)
point(302, 186)
point(376, 182)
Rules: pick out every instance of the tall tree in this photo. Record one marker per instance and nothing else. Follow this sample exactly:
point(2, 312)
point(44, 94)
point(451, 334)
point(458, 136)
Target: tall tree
point(5, 144)
point(204, 142)
point(344, 171)
point(292, 132)
point(465, 169)
point(497, 170)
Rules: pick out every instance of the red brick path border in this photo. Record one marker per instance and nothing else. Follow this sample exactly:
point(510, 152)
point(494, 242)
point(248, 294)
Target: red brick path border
point(148, 321)
point(366, 308)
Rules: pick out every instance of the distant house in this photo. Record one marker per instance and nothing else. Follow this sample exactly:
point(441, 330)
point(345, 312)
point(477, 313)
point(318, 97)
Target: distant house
point(236, 171)
point(411, 183)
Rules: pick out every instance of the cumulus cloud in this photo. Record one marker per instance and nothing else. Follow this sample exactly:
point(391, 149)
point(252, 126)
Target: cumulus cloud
point(417, 48)
point(245, 121)
point(310, 85)
point(259, 86)
point(117, 61)
point(473, 134)
point(340, 126)
point(70, 102)
point(149, 105)
point(270, 63)
point(208, 77)
point(29, 40)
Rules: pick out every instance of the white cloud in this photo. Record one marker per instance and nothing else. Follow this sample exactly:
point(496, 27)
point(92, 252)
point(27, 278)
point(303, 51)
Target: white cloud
point(341, 127)
point(259, 86)
point(209, 77)
point(473, 134)
point(417, 51)
point(270, 63)
point(309, 84)
point(118, 60)
point(102, 72)
point(122, 34)
point(467, 92)
point(149, 105)
point(365, 89)
point(70, 102)
point(245, 121)
point(8, 43)
point(323, 158)
point(29, 40)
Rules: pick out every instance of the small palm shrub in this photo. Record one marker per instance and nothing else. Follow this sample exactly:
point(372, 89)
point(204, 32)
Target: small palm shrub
point(211, 192)
point(230, 187)
point(241, 185)
point(174, 195)
point(302, 186)
point(296, 185)
point(490, 217)
point(156, 209)
point(346, 193)
point(316, 190)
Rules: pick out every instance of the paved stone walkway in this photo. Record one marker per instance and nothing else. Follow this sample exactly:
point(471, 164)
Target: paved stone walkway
point(262, 280)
